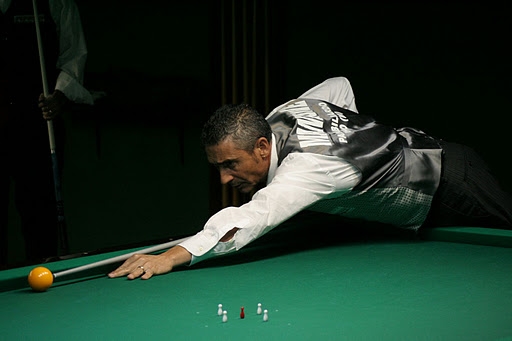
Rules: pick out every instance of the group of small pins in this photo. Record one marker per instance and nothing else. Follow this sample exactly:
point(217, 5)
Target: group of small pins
point(259, 311)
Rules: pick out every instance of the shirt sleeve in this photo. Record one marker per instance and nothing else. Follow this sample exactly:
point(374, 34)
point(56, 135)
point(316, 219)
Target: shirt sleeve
point(301, 180)
point(335, 90)
point(73, 51)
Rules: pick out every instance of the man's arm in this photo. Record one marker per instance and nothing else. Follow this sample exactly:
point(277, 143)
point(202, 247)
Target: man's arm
point(72, 53)
point(71, 61)
point(145, 266)
point(335, 90)
point(301, 180)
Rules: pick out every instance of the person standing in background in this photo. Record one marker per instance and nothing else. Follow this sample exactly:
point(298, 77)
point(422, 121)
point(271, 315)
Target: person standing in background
point(25, 152)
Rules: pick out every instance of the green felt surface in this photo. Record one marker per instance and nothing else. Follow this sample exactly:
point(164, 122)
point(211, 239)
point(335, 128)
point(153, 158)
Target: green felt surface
point(357, 289)
point(470, 235)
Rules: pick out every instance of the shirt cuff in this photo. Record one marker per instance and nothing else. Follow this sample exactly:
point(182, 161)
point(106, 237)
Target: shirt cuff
point(222, 248)
point(201, 247)
point(73, 90)
point(201, 243)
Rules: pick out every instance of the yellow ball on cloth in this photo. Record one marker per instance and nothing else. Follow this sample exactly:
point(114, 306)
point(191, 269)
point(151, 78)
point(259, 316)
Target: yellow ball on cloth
point(40, 278)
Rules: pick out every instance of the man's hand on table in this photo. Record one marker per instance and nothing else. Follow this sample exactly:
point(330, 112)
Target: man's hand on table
point(145, 266)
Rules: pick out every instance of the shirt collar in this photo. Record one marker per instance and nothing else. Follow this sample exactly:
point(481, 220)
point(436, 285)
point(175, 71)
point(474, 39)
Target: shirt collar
point(273, 161)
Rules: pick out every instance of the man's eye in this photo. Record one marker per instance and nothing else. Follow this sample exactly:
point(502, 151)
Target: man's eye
point(226, 165)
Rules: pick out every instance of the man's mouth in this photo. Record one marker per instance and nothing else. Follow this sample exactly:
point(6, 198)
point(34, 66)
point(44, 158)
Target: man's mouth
point(239, 186)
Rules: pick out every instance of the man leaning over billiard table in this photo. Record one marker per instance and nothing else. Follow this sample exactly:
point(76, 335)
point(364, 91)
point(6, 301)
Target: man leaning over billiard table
point(317, 153)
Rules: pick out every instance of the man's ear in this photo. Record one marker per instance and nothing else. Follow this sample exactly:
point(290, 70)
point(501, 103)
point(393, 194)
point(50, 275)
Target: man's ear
point(264, 147)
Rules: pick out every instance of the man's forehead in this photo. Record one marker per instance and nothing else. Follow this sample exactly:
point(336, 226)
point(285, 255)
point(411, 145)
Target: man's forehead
point(224, 151)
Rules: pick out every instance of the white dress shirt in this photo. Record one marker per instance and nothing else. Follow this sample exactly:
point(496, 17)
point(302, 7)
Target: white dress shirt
point(301, 180)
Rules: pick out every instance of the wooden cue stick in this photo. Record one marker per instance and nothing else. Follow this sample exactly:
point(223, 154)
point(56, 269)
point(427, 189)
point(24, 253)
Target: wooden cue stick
point(51, 136)
point(119, 258)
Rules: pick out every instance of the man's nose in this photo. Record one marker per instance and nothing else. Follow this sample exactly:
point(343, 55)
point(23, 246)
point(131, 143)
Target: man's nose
point(225, 177)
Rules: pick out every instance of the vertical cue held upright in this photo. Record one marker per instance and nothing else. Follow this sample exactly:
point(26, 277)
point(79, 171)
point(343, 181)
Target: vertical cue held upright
point(51, 137)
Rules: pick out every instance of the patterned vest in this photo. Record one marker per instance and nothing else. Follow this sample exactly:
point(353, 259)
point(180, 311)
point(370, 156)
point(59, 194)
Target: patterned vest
point(400, 167)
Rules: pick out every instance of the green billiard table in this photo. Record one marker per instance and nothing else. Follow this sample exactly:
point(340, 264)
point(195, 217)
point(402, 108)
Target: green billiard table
point(441, 284)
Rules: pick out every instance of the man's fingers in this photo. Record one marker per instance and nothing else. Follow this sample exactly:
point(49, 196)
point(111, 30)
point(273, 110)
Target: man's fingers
point(136, 272)
point(148, 273)
point(126, 268)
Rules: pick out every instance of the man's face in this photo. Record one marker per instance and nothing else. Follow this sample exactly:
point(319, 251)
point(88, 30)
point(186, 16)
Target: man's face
point(239, 168)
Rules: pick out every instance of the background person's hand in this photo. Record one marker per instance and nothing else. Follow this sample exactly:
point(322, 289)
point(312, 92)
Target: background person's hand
point(53, 105)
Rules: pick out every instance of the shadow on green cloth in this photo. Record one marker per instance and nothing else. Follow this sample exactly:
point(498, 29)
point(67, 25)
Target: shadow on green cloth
point(310, 230)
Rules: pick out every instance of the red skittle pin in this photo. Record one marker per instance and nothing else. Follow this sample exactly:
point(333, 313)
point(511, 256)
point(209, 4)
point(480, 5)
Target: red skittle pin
point(242, 313)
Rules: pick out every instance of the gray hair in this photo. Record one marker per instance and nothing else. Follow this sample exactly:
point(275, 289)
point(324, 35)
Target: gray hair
point(240, 122)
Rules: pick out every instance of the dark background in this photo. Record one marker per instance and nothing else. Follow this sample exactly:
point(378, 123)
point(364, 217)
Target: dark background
point(134, 170)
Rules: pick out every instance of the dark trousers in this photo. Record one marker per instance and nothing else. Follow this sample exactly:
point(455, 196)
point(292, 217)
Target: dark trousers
point(468, 194)
point(28, 167)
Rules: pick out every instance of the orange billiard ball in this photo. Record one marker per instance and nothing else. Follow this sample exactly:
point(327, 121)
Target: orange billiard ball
point(40, 278)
